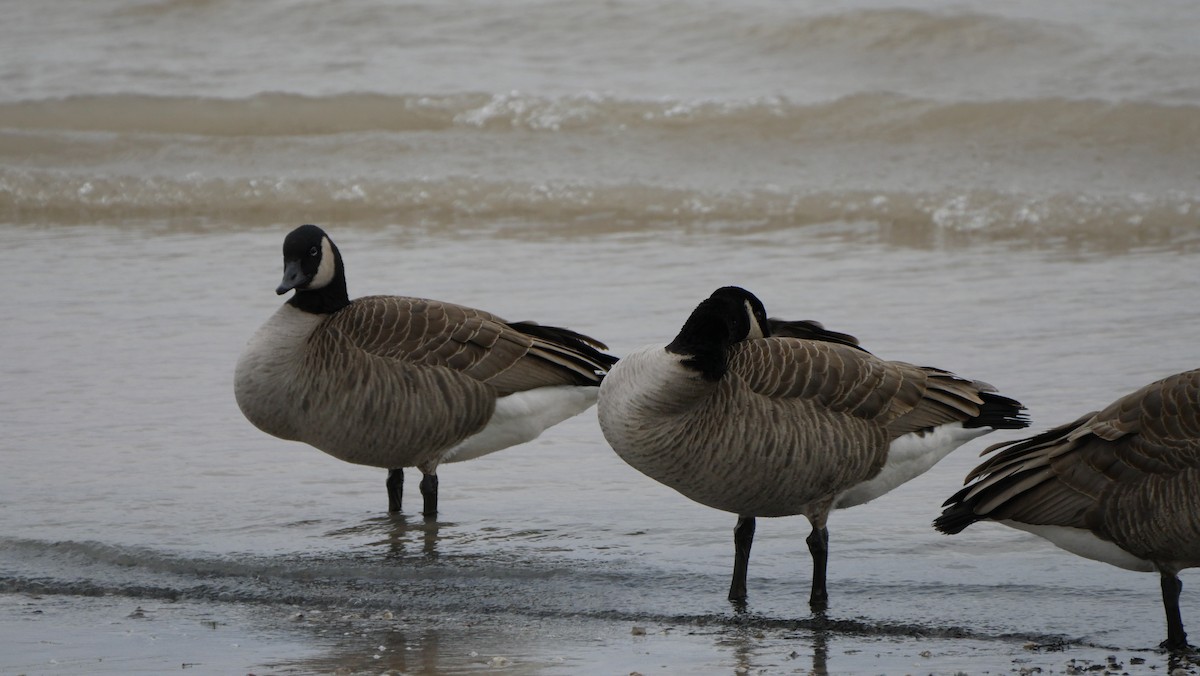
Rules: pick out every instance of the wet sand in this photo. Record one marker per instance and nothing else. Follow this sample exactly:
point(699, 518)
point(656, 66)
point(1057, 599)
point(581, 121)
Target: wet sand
point(57, 634)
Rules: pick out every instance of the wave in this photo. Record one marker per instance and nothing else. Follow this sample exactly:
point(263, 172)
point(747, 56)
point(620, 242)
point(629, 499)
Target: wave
point(896, 32)
point(752, 25)
point(880, 116)
point(538, 208)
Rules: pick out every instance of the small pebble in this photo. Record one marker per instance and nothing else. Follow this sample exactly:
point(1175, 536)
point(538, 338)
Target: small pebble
point(638, 631)
point(925, 654)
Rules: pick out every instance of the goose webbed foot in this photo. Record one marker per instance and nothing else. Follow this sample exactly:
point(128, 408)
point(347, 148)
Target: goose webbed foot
point(429, 491)
point(1184, 649)
point(395, 489)
point(1176, 637)
point(743, 538)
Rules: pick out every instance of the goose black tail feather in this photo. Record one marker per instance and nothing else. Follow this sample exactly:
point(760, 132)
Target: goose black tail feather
point(999, 412)
point(957, 515)
point(586, 345)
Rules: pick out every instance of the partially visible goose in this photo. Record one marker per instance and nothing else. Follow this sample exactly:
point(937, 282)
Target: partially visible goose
point(757, 424)
point(1120, 486)
point(398, 382)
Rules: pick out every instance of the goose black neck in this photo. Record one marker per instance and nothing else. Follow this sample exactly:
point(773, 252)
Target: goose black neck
point(322, 301)
point(705, 339)
point(327, 299)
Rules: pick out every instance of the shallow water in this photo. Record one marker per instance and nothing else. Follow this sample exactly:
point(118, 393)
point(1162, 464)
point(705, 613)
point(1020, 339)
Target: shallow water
point(132, 475)
point(1005, 192)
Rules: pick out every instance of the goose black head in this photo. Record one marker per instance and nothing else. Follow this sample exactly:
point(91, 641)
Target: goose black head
point(312, 265)
point(730, 315)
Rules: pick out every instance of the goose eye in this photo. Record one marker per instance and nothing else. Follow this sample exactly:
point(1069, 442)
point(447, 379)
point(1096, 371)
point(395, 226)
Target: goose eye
point(314, 251)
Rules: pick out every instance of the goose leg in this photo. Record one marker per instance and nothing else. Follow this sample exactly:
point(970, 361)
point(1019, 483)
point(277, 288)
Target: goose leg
point(818, 546)
point(1171, 586)
point(429, 491)
point(743, 537)
point(395, 489)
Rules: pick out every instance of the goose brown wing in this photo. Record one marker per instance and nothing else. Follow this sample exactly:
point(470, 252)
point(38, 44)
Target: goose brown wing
point(1159, 425)
point(947, 398)
point(837, 378)
point(809, 329)
point(846, 379)
point(473, 342)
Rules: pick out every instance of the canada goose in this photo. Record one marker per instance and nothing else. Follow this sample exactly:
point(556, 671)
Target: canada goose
point(1120, 486)
point(740, 416)
point(398, 382)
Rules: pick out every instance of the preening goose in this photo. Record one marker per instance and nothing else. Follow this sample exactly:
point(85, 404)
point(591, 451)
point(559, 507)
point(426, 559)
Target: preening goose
point(398, 382)
point(1121, 486)
point(740, 414)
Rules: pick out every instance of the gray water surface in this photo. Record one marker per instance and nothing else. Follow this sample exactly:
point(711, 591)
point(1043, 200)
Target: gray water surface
point(132, 477)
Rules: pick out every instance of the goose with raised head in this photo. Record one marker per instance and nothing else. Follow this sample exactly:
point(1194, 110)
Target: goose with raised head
point(765, 418)
point(1121, 485)
point(395, 382)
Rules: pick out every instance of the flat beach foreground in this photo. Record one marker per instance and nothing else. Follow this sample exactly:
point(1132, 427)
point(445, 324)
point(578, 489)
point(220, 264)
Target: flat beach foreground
point(104, 635)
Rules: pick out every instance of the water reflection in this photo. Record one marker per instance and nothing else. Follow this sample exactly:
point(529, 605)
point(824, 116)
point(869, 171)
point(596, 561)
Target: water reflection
point(399, 534)
point(398, 649)
point(820, 658)
point(754, 652)
point(405, 530)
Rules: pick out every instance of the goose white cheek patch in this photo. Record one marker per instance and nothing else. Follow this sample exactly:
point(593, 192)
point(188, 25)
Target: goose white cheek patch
point(755, 329)
point(327, 267)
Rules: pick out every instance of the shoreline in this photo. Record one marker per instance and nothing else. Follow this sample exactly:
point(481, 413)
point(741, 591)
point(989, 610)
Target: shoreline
point(60, 634)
